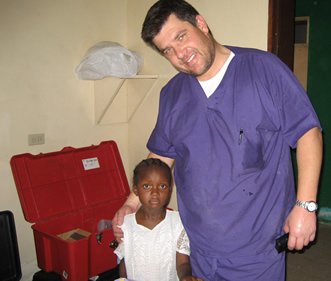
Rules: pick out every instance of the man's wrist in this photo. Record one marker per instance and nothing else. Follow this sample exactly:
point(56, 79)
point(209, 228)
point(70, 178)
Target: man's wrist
point(132, 205)
point(310, 206)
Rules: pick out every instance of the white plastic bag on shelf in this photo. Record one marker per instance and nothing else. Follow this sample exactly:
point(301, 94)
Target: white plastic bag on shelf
point(109, 59)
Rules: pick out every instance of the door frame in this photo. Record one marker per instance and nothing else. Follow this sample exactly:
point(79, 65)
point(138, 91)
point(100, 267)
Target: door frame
point(281, 30)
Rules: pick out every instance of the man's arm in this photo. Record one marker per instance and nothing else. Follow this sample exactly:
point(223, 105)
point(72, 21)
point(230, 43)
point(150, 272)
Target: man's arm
point(300, 223)
point(167, 160)
point(132, 204)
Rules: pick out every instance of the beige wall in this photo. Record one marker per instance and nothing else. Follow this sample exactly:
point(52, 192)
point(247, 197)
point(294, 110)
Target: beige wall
point(41, 44)
point(42, 41)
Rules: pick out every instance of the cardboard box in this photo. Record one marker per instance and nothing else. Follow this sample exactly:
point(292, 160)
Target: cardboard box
point(74, 235)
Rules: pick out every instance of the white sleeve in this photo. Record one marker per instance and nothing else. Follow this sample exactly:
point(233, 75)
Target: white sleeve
point(120, 251)
point(183, 244)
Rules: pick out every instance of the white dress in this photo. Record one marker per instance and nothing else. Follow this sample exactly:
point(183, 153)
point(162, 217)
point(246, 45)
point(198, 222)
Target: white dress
point(150, 255)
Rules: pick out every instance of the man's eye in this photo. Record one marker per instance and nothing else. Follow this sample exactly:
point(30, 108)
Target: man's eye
point(167, 51)
point(181, 37)
point(163, 186)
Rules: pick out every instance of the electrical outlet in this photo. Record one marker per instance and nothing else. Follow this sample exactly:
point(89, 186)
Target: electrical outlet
point(36, 139)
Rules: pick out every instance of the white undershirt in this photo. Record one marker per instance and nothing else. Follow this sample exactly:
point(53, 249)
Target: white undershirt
point(210, 85)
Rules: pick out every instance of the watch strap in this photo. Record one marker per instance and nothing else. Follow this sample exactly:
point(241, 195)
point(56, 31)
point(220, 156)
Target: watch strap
point(305, 204)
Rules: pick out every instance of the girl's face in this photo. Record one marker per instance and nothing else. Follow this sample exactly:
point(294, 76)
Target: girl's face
point(153, 188)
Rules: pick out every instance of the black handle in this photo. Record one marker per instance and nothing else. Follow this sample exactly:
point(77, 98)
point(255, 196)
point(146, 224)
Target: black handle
point(113, 244)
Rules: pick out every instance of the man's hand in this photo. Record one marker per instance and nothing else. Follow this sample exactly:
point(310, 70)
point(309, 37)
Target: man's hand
point(130, 206)
point(118, 220)
point(302, 228)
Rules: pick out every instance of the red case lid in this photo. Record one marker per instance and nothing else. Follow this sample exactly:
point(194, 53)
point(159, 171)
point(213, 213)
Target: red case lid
point(58, 183)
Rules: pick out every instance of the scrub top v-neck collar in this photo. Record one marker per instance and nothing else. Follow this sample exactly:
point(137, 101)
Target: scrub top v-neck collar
point(216, 96)
point(210, 86)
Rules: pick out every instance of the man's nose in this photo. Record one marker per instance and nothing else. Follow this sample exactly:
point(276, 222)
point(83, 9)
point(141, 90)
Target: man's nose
point(180, 52)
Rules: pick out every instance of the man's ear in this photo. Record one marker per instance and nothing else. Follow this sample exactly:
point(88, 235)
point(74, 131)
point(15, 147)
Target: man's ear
point(201, 24)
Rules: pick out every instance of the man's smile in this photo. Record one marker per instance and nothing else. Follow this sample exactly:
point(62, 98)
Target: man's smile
point(191, 58)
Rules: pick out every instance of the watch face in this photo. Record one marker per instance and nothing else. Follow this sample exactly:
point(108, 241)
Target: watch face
point(311, 206)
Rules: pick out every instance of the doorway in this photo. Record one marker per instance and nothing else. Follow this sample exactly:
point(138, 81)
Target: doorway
point(301, 46)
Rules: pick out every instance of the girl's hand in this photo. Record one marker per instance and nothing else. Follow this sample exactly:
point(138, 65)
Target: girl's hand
point(191, 278)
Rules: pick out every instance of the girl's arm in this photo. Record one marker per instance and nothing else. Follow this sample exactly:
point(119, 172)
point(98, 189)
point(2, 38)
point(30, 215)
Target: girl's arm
point(184, 270)
point(122, 269)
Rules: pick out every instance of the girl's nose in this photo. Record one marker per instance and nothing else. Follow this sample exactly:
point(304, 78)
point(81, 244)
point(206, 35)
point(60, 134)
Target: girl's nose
point(154, 190)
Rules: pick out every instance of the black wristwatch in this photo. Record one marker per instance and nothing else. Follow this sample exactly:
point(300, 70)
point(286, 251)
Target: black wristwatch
point(310, 206)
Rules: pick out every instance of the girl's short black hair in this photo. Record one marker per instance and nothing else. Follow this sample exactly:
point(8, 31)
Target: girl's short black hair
point(159, 13)
point(151, 162)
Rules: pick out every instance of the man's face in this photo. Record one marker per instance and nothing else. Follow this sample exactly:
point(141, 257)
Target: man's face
point(189, 49)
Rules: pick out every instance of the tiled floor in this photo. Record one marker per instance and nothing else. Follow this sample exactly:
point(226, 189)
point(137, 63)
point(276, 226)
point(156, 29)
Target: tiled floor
point(314, 263)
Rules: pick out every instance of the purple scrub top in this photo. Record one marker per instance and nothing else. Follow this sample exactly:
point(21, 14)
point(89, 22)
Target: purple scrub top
point(233, 171)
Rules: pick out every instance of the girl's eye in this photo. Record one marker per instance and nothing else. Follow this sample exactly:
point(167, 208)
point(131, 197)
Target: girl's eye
point(147, 186)
point(163, 186)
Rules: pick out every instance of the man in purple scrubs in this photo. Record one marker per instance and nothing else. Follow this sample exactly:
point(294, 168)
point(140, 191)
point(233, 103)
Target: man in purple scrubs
point(229, 119)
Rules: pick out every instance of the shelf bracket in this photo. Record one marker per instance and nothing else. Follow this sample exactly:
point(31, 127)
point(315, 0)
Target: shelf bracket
point(111, 101)
point(117, 90)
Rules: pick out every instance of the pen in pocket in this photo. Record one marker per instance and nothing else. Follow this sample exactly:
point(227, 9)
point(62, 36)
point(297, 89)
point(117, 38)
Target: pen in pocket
point(240, 135)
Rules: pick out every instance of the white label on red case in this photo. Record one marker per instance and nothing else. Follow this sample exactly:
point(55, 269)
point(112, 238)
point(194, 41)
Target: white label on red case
point(91, 163)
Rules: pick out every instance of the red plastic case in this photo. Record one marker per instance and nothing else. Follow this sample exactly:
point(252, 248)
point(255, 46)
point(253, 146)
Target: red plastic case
point(71, 189)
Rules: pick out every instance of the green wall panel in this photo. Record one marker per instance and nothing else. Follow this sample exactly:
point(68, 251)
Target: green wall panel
point(319, 79)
